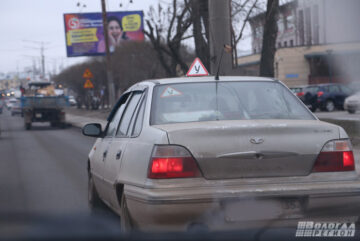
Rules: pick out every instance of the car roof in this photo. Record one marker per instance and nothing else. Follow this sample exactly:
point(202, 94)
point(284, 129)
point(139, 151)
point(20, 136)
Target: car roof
point(208, 79)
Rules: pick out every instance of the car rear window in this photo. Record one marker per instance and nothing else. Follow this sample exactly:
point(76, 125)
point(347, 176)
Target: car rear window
point(189, 102)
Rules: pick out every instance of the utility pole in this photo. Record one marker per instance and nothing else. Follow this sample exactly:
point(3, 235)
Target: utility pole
point(220, 35)
point(42, 59)
point(42, 55)
point(109, 75)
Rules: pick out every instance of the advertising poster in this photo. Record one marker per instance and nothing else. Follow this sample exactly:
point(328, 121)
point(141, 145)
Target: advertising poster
point(84, 33)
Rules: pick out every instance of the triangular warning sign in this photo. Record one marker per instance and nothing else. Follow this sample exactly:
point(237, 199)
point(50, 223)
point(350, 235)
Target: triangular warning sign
point(197, 69)
point(87, 74)
point(169, 91)
point(88, 84)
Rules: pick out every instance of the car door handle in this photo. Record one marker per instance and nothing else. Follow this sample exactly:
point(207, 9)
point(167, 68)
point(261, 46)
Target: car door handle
point(118, 155)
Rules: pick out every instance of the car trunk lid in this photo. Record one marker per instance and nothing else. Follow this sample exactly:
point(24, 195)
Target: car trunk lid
point(253, 148)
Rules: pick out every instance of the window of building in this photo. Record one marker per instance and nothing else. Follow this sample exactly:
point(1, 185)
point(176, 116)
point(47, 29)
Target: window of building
point(301, 27)
point(280, 25)
point(308, 26)
point(290, 22)
point(315, 16)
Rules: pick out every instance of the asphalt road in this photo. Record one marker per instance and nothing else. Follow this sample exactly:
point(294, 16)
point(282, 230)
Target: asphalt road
point(42, 170)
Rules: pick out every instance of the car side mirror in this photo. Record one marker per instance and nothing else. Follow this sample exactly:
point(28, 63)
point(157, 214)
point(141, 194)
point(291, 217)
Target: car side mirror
point(92, 129)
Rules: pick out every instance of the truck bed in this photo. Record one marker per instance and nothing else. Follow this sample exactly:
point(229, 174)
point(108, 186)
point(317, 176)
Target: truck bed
point(44, 102)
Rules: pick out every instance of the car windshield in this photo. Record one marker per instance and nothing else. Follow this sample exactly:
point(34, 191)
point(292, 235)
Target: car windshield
point(188, 102)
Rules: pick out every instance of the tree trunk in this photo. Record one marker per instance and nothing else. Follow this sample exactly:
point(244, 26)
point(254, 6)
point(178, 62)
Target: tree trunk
point(269, 39)
point(220, 34)
point(200, 12)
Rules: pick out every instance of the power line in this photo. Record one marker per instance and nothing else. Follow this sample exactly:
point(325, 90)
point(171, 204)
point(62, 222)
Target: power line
point(41, 47)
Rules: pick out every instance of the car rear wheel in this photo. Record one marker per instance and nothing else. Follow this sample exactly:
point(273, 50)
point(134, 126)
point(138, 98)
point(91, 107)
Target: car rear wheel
point(351, 111)
point(125, 221)
point(330, 106)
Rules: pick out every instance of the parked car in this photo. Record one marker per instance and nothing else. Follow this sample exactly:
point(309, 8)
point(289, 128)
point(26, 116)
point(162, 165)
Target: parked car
point(298, 91)
point(195, 151)
point(352, 103)
point(326, 97)
point(354, 85)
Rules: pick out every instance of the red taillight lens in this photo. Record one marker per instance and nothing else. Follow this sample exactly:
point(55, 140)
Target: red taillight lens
point(320, 93)
point(348, 160)
point(300, 94)
point(172, 162)
point(336, 156)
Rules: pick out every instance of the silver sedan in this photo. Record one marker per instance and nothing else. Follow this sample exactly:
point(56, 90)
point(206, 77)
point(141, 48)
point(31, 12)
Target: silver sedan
point(185, 152)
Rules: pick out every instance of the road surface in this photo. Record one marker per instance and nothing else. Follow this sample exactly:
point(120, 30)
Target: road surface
point(42, 170)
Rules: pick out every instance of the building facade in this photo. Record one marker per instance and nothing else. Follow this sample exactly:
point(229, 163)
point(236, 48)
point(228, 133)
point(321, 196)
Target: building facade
point(318, 41)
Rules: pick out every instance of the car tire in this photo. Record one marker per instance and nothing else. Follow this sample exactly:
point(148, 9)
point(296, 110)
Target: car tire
point(53, 124)
point(329, 106)
point(125, 221)
point(94, 201)
point(313, 108)
point(351, 111)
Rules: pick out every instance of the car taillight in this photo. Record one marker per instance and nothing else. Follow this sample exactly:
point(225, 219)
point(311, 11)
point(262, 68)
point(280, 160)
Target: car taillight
point(300, 94)
point(336, 156)
point(171, 161)
point(320, 93)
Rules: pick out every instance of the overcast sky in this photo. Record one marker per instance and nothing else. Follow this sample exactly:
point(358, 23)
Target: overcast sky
point(42, 20)
point(23, 21)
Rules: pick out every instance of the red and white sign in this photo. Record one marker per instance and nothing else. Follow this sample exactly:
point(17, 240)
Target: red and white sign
point(197, 68)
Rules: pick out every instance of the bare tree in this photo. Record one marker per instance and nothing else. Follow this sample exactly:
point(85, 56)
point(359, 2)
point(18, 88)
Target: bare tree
point(269, 39)
point(166, 30)
point(241, 11)
point(131, 64)
point(200, 26)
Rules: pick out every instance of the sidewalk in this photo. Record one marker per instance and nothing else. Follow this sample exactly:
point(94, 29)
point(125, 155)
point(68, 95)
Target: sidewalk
point(80, 117)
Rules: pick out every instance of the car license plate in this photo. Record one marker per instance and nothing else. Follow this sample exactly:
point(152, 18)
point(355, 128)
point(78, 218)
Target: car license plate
point(38, 115)
point(253, 210)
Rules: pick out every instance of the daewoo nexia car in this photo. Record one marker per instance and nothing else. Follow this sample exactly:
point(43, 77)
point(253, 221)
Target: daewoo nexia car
point(182, 152)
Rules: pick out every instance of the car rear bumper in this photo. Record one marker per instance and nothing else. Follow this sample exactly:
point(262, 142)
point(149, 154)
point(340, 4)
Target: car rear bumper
point(178, 209)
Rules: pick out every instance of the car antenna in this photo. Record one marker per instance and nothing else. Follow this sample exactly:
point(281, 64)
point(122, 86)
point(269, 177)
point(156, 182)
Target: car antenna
point(227, 48)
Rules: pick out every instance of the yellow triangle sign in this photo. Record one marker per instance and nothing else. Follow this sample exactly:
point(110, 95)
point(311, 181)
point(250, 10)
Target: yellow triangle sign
point(87, 74)
point(88, 84)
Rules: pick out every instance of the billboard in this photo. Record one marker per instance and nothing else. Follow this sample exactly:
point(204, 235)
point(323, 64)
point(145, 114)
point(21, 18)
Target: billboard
point(84, 33)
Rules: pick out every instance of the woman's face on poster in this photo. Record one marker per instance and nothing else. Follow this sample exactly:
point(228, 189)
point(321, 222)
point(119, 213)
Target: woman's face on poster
point(114, 29)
